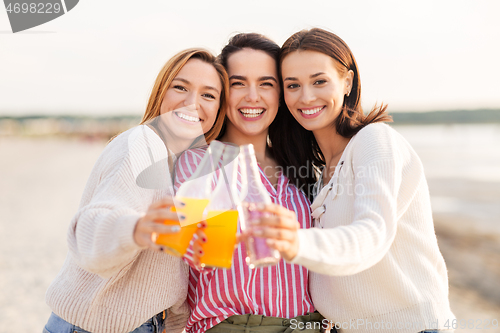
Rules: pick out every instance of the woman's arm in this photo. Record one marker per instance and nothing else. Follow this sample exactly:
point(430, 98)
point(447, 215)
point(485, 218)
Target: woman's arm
point(104, 235)
point(362, 242)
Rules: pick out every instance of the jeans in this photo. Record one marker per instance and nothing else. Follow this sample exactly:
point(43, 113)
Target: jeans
point(58, 325)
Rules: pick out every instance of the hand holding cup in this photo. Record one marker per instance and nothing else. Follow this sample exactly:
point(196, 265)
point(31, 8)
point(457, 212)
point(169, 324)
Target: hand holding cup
point(151, 224)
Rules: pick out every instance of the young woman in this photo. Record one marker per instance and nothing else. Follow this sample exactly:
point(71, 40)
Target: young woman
point(373, 256)
point(115, 278)
point(267, 299)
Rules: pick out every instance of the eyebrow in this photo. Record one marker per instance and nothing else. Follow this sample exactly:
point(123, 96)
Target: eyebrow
point(187, 82)
point(295, 79)
point(244, 78)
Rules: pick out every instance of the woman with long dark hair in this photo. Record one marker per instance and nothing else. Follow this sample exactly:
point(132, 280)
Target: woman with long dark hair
point(373, 255)
point(241, 299)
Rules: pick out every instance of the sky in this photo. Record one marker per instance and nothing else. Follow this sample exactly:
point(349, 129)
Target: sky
point(102, 57)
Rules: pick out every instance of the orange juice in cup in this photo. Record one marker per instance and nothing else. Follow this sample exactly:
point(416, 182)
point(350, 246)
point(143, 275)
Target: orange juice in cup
point(195, 194)
point(193, 210)
point(221, 238)
point(221, 215)
point(177, 243)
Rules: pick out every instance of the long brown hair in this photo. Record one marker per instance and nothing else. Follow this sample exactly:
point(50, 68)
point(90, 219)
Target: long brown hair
point(262, 43)
point(276, 141)
point(299, 146)
point(258, 42)
point(167, 75)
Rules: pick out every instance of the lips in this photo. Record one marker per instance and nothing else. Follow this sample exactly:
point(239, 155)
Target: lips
point(189, 118)
point(311, 111)
point(251, 112)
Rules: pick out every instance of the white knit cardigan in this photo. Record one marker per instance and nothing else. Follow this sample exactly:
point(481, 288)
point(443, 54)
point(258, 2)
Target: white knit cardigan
point(373, 256)
point(108, 283)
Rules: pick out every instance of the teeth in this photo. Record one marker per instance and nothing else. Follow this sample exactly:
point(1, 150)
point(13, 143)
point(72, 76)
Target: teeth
point(188, 118)
point(247, 115)
point(251, 113)
point(312, 111)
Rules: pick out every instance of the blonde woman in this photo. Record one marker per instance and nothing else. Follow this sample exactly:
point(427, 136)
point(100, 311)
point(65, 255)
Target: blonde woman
point(115, 278)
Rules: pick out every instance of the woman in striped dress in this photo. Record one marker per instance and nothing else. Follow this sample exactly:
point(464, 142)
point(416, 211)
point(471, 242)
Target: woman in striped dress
point(266, 299)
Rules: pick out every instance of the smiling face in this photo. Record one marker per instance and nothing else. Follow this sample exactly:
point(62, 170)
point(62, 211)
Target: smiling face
point(189, 108)
point(253, 92)
point(313, 88)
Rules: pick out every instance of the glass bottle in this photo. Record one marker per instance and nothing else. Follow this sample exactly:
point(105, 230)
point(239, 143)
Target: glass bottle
point(221, 215)
point(195, 194)
point(253, 192)
point(196, 191)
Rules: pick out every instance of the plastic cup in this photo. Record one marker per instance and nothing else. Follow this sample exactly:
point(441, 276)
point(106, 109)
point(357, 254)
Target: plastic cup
point(221, 238)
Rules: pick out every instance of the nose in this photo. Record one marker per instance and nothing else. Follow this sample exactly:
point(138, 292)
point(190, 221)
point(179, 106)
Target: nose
point(192, 99)
point(307, 95)
point(252, 94)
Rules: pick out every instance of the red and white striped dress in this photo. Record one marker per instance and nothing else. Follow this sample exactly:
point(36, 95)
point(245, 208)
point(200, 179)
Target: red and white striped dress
point(278, 291)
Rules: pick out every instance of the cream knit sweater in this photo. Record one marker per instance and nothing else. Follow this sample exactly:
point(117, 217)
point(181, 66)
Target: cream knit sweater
point(374, 261)
point(108, 283)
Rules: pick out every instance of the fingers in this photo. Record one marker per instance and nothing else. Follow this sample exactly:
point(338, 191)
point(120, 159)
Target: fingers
point(151, 225)
point(278, 222)
point(147, 240)
point(146, 231)
point(198, 252)
point(242, 237)
point(163, 214)
point(198, 249)
point(287, 249)
point(159, 228)
point(278, 245)
point(275, 233)
point(201, 236)
point(277, 210)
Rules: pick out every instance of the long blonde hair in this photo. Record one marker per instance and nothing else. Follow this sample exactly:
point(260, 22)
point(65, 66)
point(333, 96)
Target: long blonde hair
point(167, 75)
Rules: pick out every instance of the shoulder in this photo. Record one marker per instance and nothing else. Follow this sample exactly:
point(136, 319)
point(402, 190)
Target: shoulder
point(115, 151)
point(374, 142)
point(134, 149)
point(135, 135)
point(377, 132)
point(136, 142)
point(380, 133)
point(380, 142)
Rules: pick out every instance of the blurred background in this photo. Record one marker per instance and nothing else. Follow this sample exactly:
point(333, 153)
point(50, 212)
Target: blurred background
point(72, 83)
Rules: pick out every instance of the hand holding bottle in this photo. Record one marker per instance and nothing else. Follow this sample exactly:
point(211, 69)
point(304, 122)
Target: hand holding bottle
point(280, 229)
point(254, 194)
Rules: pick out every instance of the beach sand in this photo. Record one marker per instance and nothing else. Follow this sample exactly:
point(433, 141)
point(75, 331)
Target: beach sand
point(42, 179)
point(470, 243)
